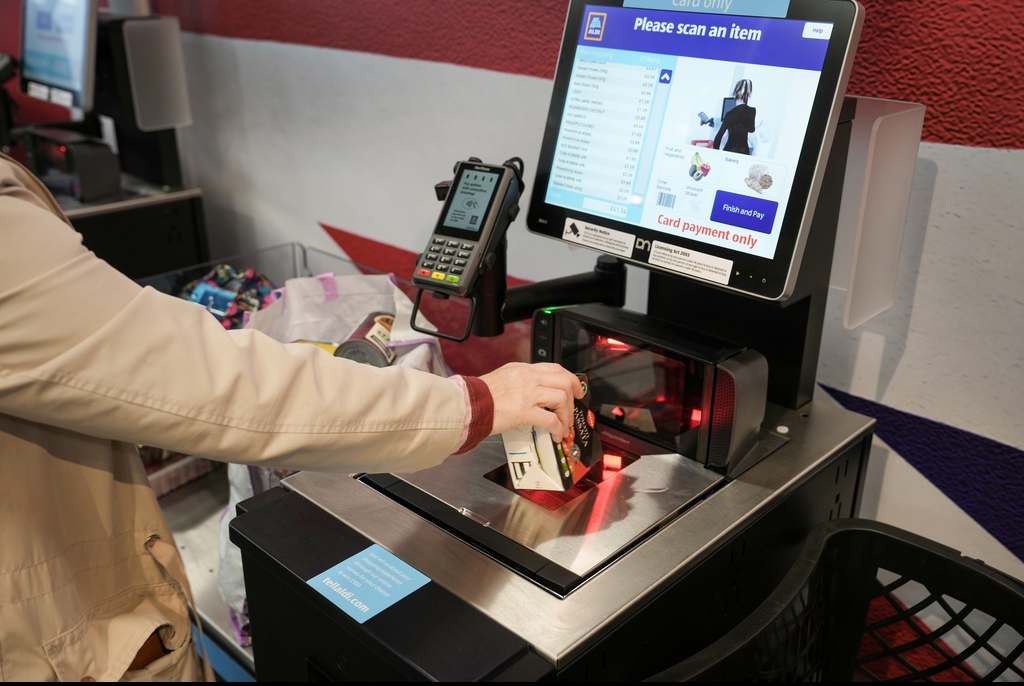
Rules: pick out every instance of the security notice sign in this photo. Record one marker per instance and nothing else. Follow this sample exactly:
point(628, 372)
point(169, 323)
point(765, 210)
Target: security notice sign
point(368, 583)
point(599, 237)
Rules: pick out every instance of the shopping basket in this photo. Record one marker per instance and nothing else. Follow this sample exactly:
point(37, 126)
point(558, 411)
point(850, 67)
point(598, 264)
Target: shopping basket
point(869, 602)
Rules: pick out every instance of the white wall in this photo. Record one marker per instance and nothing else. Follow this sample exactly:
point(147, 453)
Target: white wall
point(287, 136)
point(951, 348)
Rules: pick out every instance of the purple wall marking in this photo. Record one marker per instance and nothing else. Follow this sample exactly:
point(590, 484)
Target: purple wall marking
point(983, 477)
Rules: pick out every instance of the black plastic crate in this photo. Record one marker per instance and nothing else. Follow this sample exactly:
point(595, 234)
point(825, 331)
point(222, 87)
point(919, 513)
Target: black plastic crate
point(869, 602)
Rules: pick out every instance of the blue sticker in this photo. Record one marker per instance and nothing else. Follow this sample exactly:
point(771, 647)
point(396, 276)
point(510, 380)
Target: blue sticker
point(368, 583)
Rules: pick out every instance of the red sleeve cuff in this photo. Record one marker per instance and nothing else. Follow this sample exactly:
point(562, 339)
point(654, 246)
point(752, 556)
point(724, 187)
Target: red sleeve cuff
point(481, 408)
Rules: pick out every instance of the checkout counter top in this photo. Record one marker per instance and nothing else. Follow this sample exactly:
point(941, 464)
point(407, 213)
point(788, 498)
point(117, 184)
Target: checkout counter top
point(622, 566)
point(589, 530)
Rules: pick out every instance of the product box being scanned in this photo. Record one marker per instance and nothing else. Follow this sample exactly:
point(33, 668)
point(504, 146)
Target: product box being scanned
point(537, 463)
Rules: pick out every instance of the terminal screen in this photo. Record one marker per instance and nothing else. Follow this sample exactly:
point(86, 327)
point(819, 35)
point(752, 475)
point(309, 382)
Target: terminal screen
point(471, 200)
point(54, 51)
point(688, 124)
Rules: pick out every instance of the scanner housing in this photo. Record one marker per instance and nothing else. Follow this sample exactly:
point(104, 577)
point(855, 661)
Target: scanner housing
point(678, 388)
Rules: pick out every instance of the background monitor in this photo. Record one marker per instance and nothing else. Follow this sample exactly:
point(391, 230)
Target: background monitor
point(727, 104)
point(620, 170)
point(58, 51)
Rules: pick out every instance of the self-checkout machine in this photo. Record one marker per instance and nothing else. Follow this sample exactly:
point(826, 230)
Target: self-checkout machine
point(114, 167)
point(717, 460)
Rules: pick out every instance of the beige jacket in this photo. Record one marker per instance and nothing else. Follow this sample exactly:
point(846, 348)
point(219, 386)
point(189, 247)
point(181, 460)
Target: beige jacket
point(90, 365)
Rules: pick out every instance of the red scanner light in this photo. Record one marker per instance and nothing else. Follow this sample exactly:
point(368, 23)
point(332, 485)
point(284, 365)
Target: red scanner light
point(613, 344)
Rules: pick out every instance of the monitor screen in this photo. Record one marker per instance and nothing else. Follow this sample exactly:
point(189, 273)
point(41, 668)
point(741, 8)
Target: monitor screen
point(727, 105)
point(57, 51)
point(635, 166)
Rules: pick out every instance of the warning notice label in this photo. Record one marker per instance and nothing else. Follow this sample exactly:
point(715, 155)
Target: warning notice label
point(599, 237)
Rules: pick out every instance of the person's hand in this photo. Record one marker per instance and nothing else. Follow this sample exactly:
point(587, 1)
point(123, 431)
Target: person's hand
point(537, 394)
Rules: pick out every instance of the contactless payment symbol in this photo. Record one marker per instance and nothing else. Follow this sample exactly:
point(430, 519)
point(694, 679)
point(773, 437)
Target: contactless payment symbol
point(666, 76)
point(595, 25)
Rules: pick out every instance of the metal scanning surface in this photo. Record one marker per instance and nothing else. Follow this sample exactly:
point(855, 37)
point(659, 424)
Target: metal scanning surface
point(584, 533)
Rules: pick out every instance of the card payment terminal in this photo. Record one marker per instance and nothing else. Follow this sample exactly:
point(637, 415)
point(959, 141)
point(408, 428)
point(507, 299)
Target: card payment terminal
point(481, 203)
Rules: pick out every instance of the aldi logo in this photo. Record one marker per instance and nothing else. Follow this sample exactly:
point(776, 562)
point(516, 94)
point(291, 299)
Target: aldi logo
point(595, 25)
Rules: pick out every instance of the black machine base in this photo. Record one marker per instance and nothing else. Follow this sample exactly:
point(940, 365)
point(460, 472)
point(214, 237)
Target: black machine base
point(299, 636)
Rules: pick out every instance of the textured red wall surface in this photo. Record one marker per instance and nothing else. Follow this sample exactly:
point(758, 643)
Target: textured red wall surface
point(963, 59)
point(521, 38)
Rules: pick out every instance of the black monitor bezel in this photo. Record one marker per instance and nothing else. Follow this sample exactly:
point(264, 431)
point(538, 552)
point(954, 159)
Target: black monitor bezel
point(83, 99)
point(441, 229)
point(758, 276)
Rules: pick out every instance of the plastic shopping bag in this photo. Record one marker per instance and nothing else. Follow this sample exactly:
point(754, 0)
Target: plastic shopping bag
point(324, 308)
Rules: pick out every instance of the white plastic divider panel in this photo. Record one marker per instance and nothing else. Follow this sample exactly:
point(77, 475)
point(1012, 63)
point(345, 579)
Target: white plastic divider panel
point(876, 196)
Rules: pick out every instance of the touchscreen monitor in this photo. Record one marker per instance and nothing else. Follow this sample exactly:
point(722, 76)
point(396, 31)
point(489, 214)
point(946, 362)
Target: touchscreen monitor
point(693, 140)
point(58, 47)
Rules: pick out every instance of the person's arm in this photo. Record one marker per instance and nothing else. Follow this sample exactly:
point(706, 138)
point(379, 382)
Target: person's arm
point(724, 138)
point(751, 120)
point(722, 132)
point(86, 349)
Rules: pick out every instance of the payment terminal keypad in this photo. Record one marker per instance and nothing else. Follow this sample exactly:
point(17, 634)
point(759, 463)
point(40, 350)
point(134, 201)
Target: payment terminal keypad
point(445, 260)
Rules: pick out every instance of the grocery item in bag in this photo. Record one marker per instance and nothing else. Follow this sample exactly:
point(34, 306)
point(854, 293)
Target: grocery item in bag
point(323, 345)
point(368, 344)
point(229, 293)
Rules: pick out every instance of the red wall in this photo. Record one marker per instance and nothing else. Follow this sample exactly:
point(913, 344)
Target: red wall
point(962, 59)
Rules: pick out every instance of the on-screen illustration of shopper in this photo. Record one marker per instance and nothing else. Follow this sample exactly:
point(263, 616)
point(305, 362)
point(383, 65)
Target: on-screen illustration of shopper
point(738, 122)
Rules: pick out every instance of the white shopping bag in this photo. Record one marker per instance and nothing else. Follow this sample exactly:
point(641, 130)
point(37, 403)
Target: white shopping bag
point(324, 308)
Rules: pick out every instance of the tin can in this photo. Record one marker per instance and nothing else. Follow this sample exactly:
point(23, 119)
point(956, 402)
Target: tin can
point(368, 344)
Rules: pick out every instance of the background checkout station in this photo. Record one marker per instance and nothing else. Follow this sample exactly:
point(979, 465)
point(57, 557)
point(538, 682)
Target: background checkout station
point(115, 166)
point(717, 461)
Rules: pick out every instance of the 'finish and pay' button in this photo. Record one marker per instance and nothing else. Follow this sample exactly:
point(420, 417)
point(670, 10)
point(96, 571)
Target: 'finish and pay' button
point(744, 212)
